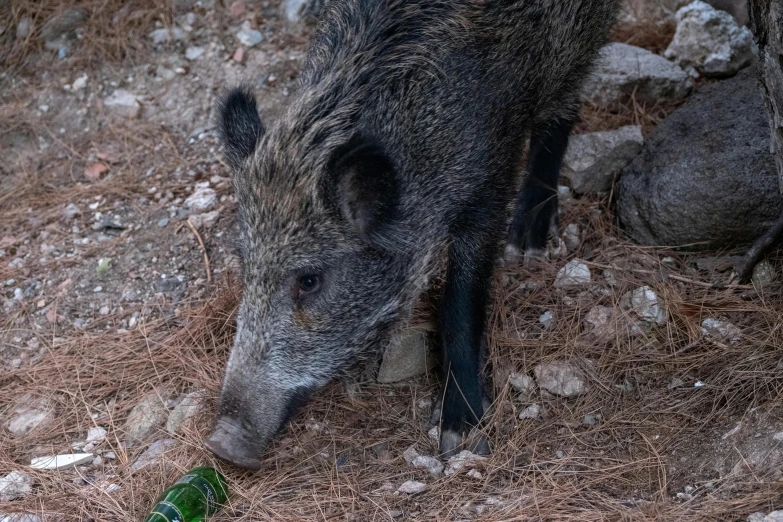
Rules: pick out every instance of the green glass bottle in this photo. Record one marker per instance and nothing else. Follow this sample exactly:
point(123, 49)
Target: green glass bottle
point(192, 498)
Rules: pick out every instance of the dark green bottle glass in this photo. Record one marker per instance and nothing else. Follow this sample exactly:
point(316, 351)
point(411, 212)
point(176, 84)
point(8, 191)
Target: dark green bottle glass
point(192, 498)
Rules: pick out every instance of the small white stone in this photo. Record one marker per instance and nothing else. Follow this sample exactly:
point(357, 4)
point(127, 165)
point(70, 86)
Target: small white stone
point(60, 462)
point(561, 378)
point(410, 454)
point(194, 53)
point(433, 466)
point(15, 485)
point(531, 412)
point(249, 37)
point(123, 103)
point(778, 436)
point(646, 304)
point(205, 220)
point(475, 474)
point(464, 460)
point(79, 83)
point(96, 435)
point(434, 436)
point(574, 273)
point(152, 454)
point(522, 383)
point(546, 319)
point(202, 200)
point(721, 330)
point(412, 487)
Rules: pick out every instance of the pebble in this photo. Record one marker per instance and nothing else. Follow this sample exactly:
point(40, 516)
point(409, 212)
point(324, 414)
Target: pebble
point(546, 319)
point(23, 27)
point(163, 222)
point(194, 53)
point(531, 412)
point(79, 83)
point(433, 466)
point(96, 435)
point(574, 273)
point(778, 436)
point(434, 435)
point(721, 330)
point(561, 378)
point(37, 415)
point(646, 304)
point(247, 36)
point(15, 485)
point(463, 460)
point(763, 274)
point(187, 408)
point(145, 418)
point(410, 454)
point(412, 487)
point(523, 384)
point(475, 474)
point(159, 36)
point(152, 454)
point(20, 517)
point(123, 103)
point(591, 419)
point(205, 220)
point(202, 200)
point(571, 236)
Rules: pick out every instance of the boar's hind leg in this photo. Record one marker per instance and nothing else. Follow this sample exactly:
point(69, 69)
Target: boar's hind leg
point(462, 321)
point(535, 213)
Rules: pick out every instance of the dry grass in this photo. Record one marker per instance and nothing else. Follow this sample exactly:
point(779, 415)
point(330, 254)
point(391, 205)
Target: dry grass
point(550, 469)
point(113, 30)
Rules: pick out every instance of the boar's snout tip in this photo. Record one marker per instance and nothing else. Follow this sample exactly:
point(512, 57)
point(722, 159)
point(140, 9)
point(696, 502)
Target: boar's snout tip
point(228, 448)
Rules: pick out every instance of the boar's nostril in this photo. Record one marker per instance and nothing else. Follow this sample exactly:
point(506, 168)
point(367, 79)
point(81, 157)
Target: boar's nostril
point(232, 449)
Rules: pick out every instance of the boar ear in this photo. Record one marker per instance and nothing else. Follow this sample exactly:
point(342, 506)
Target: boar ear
point(364, 189)
point(240, 127)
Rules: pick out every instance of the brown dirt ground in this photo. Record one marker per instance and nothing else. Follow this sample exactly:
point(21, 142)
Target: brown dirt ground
point(93, 344)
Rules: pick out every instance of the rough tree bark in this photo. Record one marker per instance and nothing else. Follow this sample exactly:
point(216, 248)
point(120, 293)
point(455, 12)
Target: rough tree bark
point(766, 22)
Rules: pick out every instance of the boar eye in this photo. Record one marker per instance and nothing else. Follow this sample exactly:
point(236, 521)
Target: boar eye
point(308, 284)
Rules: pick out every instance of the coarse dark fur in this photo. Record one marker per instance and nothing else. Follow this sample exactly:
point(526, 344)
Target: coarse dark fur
point(405, 139)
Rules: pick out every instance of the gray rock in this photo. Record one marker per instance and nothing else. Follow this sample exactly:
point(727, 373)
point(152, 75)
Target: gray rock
point(572, 236)
point(531, 412)
point(561, 378)
point(146, 418)
point(763, 274)
point(645, 304)
point(756, 517)
point(705, 177)
point(721, 330)
point(591, 419)
point(546, 320)
point(96, 435)
point(249, 37)
point(523, 384)
point(61, 28)
point(205, 220)
point(412, 487)
point(194, 53)
point(462, 461)
point(775, 516)
point(298, 11)
point(710, 41)
point(165, 35)
point(152, 454)
point(778, 436)
point(123, 103)
point(406, 356)
point(15, 485)
point(163, 222)
point(433, 466)
point(29, 415)
point(202, 199)
point(574, 273)
point(623, 70)
point(187, 408)
point(24, 27)
point(593, 160)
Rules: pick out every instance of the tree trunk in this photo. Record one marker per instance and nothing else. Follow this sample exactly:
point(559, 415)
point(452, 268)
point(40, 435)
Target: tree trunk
point(766, 22)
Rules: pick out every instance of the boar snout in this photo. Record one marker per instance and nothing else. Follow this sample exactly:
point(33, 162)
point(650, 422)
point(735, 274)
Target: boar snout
point(229, 442)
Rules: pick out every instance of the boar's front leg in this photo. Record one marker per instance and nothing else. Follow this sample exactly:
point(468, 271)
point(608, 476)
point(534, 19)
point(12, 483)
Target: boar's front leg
point(472, 254)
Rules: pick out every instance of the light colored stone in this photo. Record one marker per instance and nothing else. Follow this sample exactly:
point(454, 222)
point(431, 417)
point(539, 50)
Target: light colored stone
point(20, 517)
point(531, 412)
point(721, 330)
point(205, 220)
point(123, 103)
point(434, 436)
point(775, 516)
point(523, 384)
point(624, 70)
point(474, 474)
point(710, 41)
point(433, 466)
point(561, 378)
point(758, 516)
point(96, 435)
point(187, 408)
point(15, 485)
point(249, 37)
point(146, 418)
point(160, 36)
point(412, 487)
point(593, 160)
point(599, 317)
point(546, 320)
point(406, 356)
point(574, 273)
point(572, 236)
point(409, 454)
point(463, 460)
point(763, 274)
point(646, 304)
point(29, 415)
point(202, 200)
point(23, 27)
point(194, 53)
point(61, 462)
point(79, 83)
point(778, 436)
point(152, 454)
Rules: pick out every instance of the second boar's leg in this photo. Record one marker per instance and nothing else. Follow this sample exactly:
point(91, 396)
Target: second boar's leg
point(535, 213)
point(472, 254)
